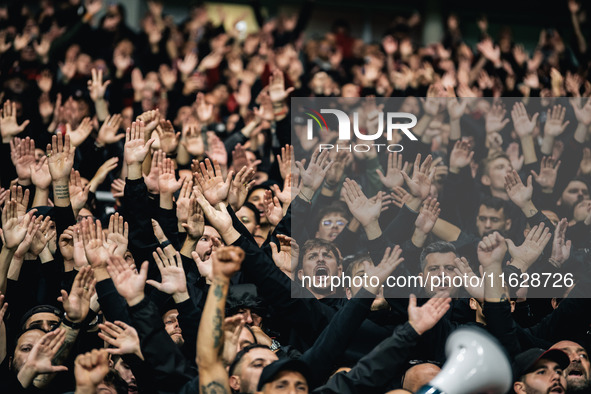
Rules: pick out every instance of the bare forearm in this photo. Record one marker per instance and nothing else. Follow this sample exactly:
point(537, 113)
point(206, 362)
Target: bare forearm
point(446, 231)
point(5, 258)
point(210, 334)
point(529, 150)
point(41, 197)
point(61, 193)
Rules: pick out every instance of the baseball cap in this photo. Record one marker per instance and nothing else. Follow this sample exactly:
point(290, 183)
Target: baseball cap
point(526, 360)
point(271, 371)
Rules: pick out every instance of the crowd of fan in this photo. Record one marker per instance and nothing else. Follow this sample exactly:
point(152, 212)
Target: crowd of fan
point(158, 218)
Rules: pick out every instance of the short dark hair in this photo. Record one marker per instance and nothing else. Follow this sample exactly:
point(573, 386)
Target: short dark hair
point(486, 162)
point(240, 355)
point(114, 379)
point(356, 261)
point(318, 243)
point(495, 203)
point(338, 207)
point(436, 247)
point(257, 214)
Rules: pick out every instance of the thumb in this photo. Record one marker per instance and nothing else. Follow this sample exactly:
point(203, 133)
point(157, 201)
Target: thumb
point(412, 301)
point(154, 284)
point(510, 244)
point(119, 137)
point(25, 124)
point(380, 174)
point(64, 297)
point(529, 181)
point(144, 270)
point(273, 247)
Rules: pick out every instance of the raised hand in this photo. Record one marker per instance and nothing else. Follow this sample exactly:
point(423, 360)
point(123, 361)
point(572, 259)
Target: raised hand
point(285, 159)
point(212, 183)
point(77, 302)
point(425, 317)
point(107, 134)
point(528, 252)
point(364, 210)
point(122, 337)
point(9, 128)
point(382, 271)
point(394, 171)
point(420, 184)
point(41, 237)
point(60, 158)
point(277, 91)
point(216, 150)
point(25, 244)
point(129, 283)
point(514, 157)
point(204, 109)
point(400, 196)
point(219, 218)
point(151, 120)
point(171, 269)
point(313, 176)
point(94, 243)
point(13, 228)
point(461, 156)
point(517, 191)
point(491, 251)
point(226, 261)
point(463, 269)
point(41, 355)
point(136, 148)
point(239, 187)
point(40, 176)
point(548, 173)
point(192, 139)
point(555, 124)
point(582, 114)
point(90, 369)
point(22, 153)
point(78, 136)
point(273, 209)
point(183, 200)
point(560, 246)
point(428, 216)
point(78, 193)
point(169, 140)
point(286, 256)
point(96, 87)
point(79, 254)
point(152, 178)
point(117, 235)
point(22, 199)
point(285, 195)
point(167, 182)
point(524, 126)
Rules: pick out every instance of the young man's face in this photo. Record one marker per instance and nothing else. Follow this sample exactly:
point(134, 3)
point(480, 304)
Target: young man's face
point(205, 244)
point(320, 264)
point(439, 264)
point(574, 192)
point(247, 375)
point(497, 170)
point(171, 324)
point(579, 370)
point(247, 217)
point(45, 321)
point(547, 377)
point(23, 348)
point(287, 382)
point(125, 372)
point(330, 226)
point(256, 198)
point(490, 220)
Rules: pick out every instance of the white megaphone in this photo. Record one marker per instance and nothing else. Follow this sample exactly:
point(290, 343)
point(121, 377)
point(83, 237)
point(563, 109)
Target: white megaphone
point(476, 364)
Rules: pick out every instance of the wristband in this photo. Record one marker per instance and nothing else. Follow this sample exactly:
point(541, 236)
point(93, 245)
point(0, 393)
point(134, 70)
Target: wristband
point(71, 324)
point(165, 244)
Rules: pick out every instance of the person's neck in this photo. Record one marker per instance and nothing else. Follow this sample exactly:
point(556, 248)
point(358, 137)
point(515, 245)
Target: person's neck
point(502, 194)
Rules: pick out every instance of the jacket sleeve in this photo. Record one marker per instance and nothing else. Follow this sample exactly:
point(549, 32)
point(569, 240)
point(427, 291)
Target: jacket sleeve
point(170, 368)
point(335, 338)
point(373, 372)
point(114, 306)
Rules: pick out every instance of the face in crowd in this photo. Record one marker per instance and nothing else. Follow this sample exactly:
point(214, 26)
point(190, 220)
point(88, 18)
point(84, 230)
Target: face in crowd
point(546, 376)
point(320, 263)
point(578, 372)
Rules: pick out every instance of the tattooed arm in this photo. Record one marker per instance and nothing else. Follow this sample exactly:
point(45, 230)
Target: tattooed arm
point(213, 377)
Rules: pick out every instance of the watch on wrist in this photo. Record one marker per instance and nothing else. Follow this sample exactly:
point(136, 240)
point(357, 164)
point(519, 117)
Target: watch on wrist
point(68, 323)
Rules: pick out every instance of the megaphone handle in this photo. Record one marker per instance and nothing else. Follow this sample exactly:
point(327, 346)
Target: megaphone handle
point(428, 389)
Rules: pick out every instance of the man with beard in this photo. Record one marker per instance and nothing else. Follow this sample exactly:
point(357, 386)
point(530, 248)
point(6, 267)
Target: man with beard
point(577, 372)
point(540, 372)
point(171, 324)
point(319, 262)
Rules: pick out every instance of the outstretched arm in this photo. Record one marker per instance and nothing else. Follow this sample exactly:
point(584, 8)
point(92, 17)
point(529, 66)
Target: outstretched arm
point(212, 372)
